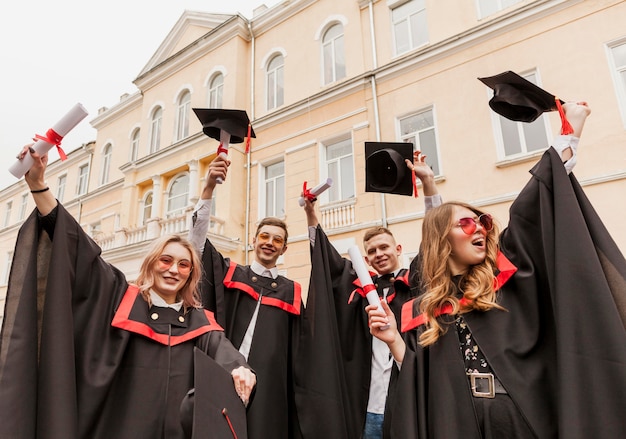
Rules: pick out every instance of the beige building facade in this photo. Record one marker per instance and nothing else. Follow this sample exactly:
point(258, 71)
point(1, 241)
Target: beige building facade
point(319, 78)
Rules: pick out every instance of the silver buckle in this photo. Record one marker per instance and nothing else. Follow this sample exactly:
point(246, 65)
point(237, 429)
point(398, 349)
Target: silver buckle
point(478, 378)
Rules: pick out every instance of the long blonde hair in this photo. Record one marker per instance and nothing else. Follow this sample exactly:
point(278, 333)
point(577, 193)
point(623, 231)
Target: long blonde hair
point(477, 284)
point(189, 293)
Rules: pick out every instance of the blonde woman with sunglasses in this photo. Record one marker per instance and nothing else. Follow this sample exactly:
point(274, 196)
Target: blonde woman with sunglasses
point(518, 334)
point(86, 354)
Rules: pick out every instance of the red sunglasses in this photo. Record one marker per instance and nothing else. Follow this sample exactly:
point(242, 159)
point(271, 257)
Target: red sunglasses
point(468, 225)
point(166, 262)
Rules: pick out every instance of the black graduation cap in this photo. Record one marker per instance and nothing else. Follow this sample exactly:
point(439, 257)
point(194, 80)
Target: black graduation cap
point(385, 167)
point(213, 406)
point(217, 121)
point(517, 98)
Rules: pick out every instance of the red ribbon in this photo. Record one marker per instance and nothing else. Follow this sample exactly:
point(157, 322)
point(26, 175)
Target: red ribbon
point(53, 138)
point(306, 193)
point(248, 138)
point(221, 149)
point(566, 127)
point(414, 180)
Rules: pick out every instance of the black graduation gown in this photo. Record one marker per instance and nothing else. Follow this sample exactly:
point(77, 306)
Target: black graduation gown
point(82, 354)
point(560, 348)
point(333, 369)
point(231, 291)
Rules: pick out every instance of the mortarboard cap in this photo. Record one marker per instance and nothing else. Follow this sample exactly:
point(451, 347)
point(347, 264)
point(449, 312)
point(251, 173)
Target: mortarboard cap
point(213, 406)
point(517, 98)
point(385, 167)
point(233, 122)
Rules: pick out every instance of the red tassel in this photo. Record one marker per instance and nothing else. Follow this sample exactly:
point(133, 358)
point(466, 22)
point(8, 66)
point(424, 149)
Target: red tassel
point(248, 139)
point(230, 425)
point(414, 180)
point(566, 127)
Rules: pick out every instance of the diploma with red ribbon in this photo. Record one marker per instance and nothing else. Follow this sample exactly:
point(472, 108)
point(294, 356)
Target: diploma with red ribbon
point(53, 137)
point(364, 277)
point(311, 194)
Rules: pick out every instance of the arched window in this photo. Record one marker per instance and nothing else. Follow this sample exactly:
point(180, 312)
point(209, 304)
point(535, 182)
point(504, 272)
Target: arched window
point(184, 106)
point(155, 129)
point(107, 152)
point(333, 54)
point(178, 195)
point(147, 207)
point(275, 82)
point(216, 91)
point(134, 145)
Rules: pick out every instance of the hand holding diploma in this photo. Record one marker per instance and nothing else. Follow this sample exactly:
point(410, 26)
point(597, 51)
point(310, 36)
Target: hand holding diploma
point(52, 138)
point(364, 277)
point(311, 194)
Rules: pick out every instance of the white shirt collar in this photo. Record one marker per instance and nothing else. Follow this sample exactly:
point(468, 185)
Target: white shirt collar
point(261, 270)
point(158, 301)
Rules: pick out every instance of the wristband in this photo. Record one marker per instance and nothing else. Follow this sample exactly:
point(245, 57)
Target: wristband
point(38, 191)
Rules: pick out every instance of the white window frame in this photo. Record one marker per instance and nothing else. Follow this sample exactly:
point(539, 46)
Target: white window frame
point(183, 109)
point(134, 144)
point(145, 205)
point(178, 211)
point(414, 137)
point(82, 180)
point(107, 155)
point(616, 72)
point(156, 122)
point(337, 187)
point(216, 90)
point(61, 183)
point(264, 180)
point(496, 6)
point(8, 210)
point(420, 15)
point(275, 82)
point(7, 267)
point(337, 48)
point(23, 206)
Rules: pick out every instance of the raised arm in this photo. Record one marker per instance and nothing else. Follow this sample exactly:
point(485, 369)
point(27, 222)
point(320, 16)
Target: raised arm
point(36, 181)
point(201, 216)
point(426, 175)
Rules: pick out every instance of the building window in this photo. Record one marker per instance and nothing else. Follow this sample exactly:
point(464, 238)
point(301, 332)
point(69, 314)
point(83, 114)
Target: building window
point(147, 207)
point(216, 91)
point(7, 267)
point(182, 126)
point(275, 82)
point(155, 129)
point(178, 196)
point(489, 7)
point(410, 28)
point(419, 129)
point(23, 206)
point(83, 176)
point(333, 54)
point(519, 138)
point(340, 167)
point(134, 145)
point(106, 164)
point(275, 190)
point(618, 57)
point(61, 181)
point(7, 213)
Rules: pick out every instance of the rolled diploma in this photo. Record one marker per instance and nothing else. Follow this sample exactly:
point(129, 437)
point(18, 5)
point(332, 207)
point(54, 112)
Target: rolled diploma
point(364, 277)
point(62, 127)
point(224, 142)
point(318, 190)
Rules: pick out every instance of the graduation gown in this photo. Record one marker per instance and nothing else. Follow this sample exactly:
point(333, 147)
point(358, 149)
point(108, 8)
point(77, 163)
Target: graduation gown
point(333, 369)
point(559, 349)
point(232, 291)
point(82, 353)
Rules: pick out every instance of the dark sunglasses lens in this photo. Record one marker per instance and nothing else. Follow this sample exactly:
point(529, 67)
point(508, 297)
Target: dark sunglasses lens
point(486, 221)
point(467, 225)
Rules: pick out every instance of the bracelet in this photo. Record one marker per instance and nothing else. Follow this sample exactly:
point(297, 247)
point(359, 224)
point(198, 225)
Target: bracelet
point(38, 191)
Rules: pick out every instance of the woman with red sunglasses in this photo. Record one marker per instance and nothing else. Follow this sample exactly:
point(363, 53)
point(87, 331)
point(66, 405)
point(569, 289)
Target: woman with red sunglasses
point(518, 334)
point(85, 354)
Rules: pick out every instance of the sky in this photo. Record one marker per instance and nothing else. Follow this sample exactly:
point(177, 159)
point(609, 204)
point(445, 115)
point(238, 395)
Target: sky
point(55, 54)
